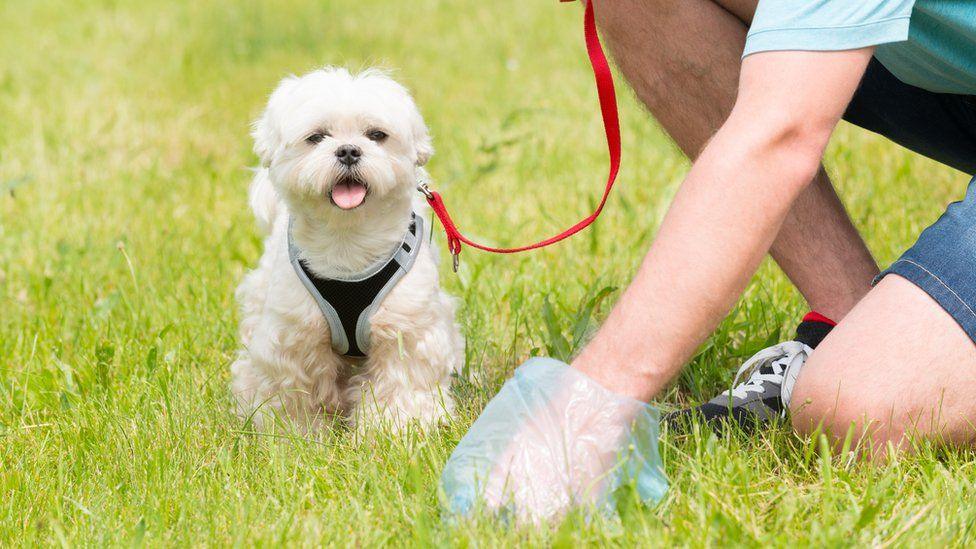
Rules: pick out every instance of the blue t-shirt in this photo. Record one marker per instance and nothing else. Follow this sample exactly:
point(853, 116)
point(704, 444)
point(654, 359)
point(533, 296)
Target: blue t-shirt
point(930, 44)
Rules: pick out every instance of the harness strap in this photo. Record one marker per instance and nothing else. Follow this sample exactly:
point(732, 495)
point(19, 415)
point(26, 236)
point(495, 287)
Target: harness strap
point(348, 304)
point(611, 124)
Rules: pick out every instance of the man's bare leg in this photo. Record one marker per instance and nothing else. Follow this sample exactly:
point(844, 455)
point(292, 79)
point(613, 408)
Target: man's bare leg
point(897, 365)
point(682, 59)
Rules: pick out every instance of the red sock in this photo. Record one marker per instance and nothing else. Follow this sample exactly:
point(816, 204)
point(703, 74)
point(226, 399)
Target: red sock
point(814, 329)
point(814, 316)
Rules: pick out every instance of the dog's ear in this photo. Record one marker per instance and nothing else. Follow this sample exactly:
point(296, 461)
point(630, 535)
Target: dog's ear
point(265, 130)
point(263, 200)
point(422, 144)
point(425, 149)
point(267, 137)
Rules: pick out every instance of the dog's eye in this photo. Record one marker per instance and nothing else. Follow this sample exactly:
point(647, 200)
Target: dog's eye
point(316, 137)
point(376, 135)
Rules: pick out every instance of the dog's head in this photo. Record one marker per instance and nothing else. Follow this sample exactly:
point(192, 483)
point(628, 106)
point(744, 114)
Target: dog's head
point(335, 142)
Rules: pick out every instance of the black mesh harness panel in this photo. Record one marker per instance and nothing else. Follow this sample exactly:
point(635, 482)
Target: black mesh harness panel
point(348, 304)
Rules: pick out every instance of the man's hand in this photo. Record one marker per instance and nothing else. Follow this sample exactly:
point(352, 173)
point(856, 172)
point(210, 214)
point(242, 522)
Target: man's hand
point(725, 217)
point(553, 439)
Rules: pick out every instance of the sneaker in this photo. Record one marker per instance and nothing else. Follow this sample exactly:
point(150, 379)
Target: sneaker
point(763, 385)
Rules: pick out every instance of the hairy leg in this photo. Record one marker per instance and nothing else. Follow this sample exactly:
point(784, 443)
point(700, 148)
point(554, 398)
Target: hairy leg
point(682, 59)
point(897, 365)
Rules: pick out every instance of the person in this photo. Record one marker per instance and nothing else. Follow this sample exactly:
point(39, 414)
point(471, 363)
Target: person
point(904, 69)
point(891, 353)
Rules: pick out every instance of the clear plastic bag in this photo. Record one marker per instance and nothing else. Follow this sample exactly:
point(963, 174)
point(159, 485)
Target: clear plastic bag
point(554, 439)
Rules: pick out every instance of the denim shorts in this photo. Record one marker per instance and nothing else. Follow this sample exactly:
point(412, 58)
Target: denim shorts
point(942, 127)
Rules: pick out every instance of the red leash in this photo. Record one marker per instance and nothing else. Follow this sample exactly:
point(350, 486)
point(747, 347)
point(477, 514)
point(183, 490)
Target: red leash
point(611, 123)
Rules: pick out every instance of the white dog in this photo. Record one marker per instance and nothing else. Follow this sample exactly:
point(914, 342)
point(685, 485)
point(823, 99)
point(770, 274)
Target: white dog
point(346, 269)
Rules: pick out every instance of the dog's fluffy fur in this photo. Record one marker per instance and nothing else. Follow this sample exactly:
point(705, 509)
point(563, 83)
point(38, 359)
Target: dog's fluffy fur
point(288, 367)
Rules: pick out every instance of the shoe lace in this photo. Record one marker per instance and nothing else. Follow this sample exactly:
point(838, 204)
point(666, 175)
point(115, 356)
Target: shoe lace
point(776, 358)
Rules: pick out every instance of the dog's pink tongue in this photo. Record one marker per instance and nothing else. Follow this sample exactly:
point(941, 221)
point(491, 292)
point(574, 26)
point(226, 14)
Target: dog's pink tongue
point(348, 195)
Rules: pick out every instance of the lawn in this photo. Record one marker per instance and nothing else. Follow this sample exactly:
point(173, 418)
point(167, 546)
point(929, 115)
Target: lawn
point(124, 155)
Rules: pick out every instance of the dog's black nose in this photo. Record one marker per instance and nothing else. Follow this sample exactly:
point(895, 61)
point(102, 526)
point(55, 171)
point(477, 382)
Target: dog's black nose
point(348, 154)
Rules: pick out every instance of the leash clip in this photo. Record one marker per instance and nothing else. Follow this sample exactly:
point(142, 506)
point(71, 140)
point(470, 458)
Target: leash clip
point(453, 245)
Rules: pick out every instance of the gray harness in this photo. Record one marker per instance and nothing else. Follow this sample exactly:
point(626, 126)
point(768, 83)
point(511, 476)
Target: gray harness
point(348, 303)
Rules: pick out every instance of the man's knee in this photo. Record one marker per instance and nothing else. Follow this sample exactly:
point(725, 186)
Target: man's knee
point(657, 46)
point(622, 11)
point(624, 23)
point(611, 11)
point(744, 10)
point(897, 367)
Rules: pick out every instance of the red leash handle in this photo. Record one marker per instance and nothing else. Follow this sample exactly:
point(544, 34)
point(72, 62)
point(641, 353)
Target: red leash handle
point(611, 124)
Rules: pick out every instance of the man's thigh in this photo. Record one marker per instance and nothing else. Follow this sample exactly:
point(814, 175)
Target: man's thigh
point(898, 364)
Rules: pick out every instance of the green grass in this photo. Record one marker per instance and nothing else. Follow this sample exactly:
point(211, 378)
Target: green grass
point(123, 231)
